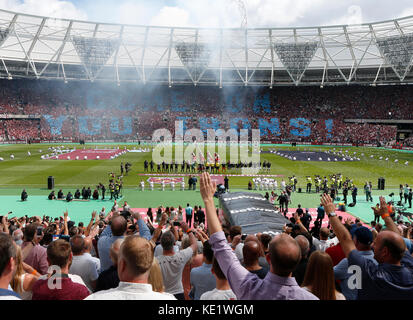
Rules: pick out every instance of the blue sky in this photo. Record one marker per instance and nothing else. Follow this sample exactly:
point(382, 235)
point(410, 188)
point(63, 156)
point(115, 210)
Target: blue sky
point(217, 13)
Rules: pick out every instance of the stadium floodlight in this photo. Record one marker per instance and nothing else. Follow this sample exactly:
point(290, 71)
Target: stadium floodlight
point(94, 53)
point(398, 52)
point(4, 34)
point(296, 57)
point(195, 57)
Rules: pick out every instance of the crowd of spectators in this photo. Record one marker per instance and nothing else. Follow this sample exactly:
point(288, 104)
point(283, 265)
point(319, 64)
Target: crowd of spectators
point(120, 256)
point(151, 108)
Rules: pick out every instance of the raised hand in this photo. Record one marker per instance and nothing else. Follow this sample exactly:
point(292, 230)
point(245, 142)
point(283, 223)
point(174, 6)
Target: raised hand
point(93, 215)
point(383, 209)
point(328, 203)
point(207, 187)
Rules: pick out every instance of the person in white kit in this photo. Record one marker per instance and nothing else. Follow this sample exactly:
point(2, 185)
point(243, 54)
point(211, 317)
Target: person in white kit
point(183, 185)
point(151, 185)
point(172, 185)
point(283, 185)
point(163, 185)
point(142, 185)
point(275, 185)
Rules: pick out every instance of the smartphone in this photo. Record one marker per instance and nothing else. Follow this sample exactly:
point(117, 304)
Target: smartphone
point(39, 231)
point(177, 224)
point(243, 237)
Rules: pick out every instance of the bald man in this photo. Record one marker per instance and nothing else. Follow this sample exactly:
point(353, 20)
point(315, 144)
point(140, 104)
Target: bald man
point(116, 230)
point(251, 252)
point(134, 265)
point(284, 255)
point(392, 277)
point(299, 271)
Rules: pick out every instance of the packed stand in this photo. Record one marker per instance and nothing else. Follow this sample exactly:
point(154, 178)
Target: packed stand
point(118, 255)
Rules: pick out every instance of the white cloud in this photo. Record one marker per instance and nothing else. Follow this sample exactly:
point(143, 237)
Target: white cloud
point(217, 13)
point(50, 8)
point(171, 16)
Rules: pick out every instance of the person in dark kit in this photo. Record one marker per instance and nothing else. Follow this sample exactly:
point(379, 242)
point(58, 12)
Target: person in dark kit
point(410, 198)
point(127, 167)
point(77, 194)
point(89, 193)
point(249, 185)
point(95, 194)
point(103, 189)
point(151, 165)
point(24, 195)
point(121, 168)
point(69, 197)
point(163, 166)
point(149, 213)
point(176, 167)
point(158, 168)
point(84, 193)
point(52, 195)
point(60, 194)
point(194, 181)
point(345, 193)
point(283, 202)
point(354, 194)
point(333, 193)
point(226, 183)
point(200, 215)
point(145, 165)
point(190, 181)
point(183, 166)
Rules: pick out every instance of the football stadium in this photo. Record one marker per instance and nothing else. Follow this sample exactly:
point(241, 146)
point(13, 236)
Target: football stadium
point(195, 140)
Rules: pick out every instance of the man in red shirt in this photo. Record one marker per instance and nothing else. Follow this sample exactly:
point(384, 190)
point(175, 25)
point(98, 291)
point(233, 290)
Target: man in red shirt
point(59, 286)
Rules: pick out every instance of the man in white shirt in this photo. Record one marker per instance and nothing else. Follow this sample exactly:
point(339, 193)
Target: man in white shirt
point(324, 242)
point(134, 264)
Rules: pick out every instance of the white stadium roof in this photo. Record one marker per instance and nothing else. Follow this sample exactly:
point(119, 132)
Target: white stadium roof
point(49, 48)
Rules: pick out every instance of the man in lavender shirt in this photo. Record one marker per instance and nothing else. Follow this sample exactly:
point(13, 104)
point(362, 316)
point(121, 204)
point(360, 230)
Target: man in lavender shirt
point(284, 255)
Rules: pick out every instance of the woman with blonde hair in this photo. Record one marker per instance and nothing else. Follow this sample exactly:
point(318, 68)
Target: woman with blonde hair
point(155, 277)
point(24, 278)
point(319, 277)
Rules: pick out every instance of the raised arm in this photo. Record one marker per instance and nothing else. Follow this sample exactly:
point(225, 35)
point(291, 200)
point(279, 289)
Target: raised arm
point(87, 232)
point(339, 229)
point(65, 228)
point(208, 188)
point(383, 211)
point(143, 228)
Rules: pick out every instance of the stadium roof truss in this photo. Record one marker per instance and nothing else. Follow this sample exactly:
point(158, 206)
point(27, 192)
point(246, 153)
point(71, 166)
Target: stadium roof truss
point(49, 48)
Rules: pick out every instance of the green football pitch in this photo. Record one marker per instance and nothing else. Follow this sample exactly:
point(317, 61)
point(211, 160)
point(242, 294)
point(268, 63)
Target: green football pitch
point(31, 172)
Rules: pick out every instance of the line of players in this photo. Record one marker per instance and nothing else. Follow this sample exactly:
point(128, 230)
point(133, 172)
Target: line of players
point(330, 185)
point(187, 167)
